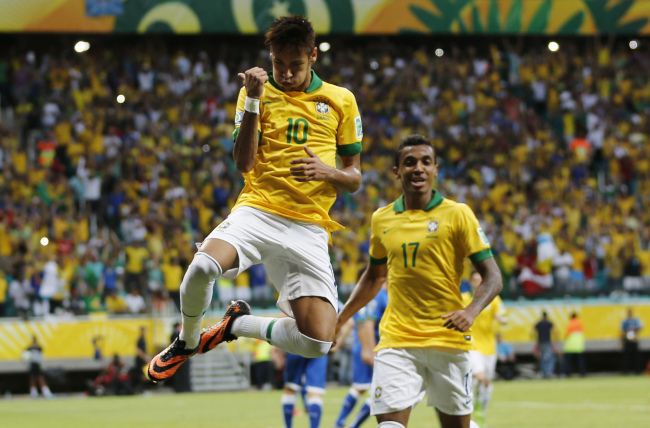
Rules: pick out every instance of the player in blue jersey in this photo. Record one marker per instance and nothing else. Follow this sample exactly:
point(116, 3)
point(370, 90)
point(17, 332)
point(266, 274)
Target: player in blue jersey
point(366, 336)
point(307, 373)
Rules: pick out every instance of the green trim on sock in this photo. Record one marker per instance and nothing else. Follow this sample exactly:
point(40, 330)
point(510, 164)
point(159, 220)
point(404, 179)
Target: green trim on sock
point(269, 328)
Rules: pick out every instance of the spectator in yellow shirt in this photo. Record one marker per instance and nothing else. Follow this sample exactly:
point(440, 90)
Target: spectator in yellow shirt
point(134, 277)
point(115, 303)
point(172, 277)
point(3, 292)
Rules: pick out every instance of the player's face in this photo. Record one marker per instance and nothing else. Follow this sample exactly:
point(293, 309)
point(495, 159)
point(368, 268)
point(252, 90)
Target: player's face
point(292, 68)
point(417, 169)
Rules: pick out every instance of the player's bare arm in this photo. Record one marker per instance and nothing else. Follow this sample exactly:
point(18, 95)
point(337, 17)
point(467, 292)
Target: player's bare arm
point(312, 168)
point(490, 287)
point(369, 284)
point(342, 336)
point(245, 148)
point(366, 334)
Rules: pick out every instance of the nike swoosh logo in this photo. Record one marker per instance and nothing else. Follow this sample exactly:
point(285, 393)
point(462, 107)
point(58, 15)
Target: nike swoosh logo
point(159, 369)
point(268, 102)
point(468, 401)
point(215, 338)
point(388, 230)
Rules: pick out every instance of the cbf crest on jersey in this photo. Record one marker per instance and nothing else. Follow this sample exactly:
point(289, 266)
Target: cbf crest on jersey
point(433, 226)
point(322, 108)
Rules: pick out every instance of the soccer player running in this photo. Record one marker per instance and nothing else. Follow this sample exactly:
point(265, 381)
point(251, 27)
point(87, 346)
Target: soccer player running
point(484, 357)
point(289, 128)
point(419, 243)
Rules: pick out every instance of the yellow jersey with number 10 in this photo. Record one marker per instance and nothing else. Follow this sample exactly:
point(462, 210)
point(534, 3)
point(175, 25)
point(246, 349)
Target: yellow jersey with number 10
point(324, 118)
point(425, 250)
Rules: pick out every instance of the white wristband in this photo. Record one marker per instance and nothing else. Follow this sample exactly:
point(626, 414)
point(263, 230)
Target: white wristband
point(252, 105)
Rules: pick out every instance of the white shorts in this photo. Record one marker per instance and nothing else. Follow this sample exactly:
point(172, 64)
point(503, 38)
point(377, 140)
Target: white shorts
point(295, 254)
point(482, 363)
point(402, 375)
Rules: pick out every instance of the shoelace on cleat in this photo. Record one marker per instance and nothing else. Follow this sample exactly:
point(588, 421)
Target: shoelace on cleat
point(170, 352)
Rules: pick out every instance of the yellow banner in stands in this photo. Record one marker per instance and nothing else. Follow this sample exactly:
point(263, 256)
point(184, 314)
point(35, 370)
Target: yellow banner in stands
point(602, 321)
point(73, 338)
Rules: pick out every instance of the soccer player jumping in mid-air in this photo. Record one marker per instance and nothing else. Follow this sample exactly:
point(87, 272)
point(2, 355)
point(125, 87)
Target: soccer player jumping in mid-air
point(419, 242)
point(290, 126)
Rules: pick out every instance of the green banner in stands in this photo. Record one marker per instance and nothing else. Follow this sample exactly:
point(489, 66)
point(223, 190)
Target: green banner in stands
point(583, 17)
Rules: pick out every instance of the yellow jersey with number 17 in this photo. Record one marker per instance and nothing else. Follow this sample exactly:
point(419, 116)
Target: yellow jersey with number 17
point(425, 250)
point(324, 118)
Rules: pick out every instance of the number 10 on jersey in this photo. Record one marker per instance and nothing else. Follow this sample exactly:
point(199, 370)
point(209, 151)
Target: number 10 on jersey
point(296, 132)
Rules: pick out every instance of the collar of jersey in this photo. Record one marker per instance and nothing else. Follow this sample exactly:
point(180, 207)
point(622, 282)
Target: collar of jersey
point(434, 202)
point(316, 82)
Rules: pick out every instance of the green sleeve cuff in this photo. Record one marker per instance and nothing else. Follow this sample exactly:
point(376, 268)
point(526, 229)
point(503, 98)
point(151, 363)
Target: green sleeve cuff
point(374, 261)
point(236, 133)
point(481, 255)
point(349, 149)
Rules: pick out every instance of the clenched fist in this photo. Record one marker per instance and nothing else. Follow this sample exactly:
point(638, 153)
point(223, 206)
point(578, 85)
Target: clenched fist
point(254, 80)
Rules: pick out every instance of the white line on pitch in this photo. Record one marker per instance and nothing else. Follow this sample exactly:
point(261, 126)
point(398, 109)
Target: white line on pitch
point(572, 406)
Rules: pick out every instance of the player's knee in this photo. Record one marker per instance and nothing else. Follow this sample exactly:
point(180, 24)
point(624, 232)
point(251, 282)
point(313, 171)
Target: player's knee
point(315, 399)
point(203, 269)
point(313, 348)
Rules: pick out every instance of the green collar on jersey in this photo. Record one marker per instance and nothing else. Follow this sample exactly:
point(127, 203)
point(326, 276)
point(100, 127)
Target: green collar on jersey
point(316, 82)
point(434, 202)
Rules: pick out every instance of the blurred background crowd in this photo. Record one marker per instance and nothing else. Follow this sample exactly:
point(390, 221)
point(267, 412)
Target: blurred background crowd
point(115, 161)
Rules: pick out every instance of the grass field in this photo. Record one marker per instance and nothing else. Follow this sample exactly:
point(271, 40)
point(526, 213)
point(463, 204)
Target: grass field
point(599, 402)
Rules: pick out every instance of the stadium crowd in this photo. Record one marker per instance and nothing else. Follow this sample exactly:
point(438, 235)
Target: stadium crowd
point(116, 161)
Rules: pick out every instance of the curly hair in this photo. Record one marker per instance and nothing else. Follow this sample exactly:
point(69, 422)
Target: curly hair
point(294, 32)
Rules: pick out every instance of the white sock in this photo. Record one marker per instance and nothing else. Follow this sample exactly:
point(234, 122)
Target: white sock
point(252, 326)
point(33, 392)
point(196, 294)
point(389, 424)
point(354, 393)
point(46, 391)
point(284, 334)
point(487, 396)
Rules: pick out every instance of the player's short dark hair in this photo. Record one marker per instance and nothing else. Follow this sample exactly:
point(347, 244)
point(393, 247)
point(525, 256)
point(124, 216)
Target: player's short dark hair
point(294, 32)
point(413, 140)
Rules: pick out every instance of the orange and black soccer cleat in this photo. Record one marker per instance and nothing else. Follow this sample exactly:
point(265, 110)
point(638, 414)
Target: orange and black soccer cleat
point(165, 364)
point(220, 332)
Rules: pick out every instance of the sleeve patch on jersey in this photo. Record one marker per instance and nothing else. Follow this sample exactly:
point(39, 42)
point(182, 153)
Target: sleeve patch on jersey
point(359, 127)
point(481, 255)
point(374, 261)
point(484, 238)
point(349, 149)
point(239, 115)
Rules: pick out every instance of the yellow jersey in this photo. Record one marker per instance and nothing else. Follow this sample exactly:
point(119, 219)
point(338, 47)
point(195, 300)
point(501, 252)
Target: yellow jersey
point(425, 251)
point(485, 327)
point(324, 118)
point(135, 258)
